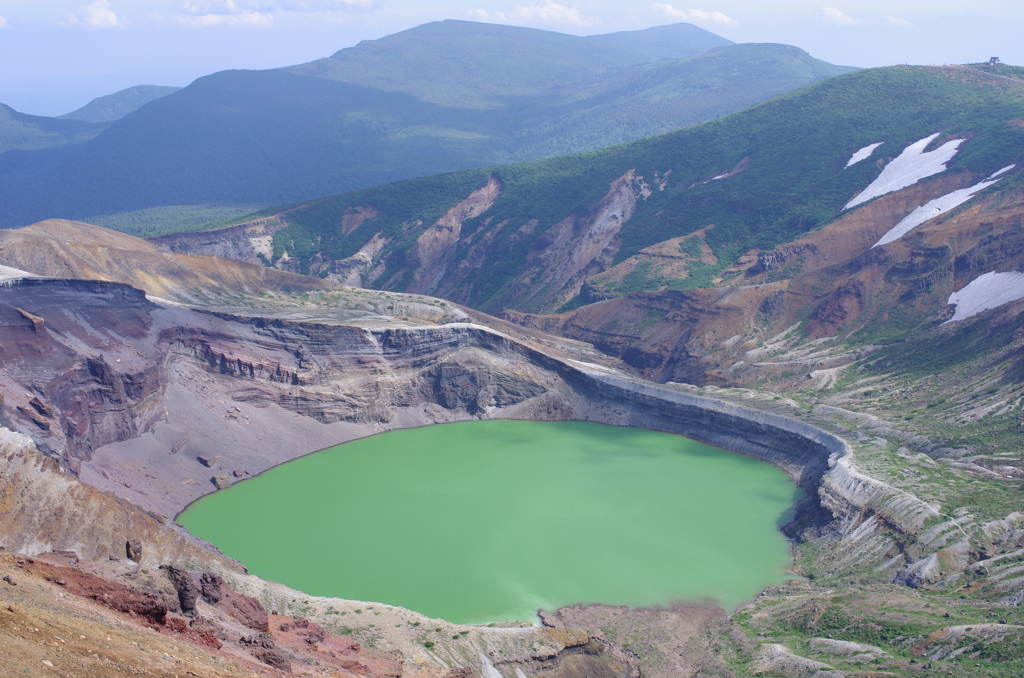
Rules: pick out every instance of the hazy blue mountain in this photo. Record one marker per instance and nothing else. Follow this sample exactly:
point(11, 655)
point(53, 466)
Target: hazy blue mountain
point(675, 41)
point(20, 131)
point(119, 104)
point(474, 65)
point(441, 97)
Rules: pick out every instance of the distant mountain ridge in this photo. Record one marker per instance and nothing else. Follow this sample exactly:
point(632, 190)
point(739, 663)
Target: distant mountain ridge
point(472, 65)
point(440, 97)
point(24, 132)
point(119, 104)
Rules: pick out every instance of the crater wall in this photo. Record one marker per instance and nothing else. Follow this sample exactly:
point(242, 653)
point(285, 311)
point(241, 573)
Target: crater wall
point(161, 405)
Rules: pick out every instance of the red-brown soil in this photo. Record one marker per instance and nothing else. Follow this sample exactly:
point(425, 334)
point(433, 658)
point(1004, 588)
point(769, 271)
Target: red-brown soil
point(62, 620)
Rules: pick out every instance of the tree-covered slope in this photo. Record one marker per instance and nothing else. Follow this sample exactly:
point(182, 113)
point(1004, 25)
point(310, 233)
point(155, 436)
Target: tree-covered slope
point(626, 104)
point(528, 236)
point(472, 65)
point(23, 132)
point(119, 104)
point(442, 97)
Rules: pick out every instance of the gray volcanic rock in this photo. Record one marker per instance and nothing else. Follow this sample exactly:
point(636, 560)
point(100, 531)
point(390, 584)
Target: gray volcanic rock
point(134, 550)
point(47, 509)
point(777, 660)
point(185, 587)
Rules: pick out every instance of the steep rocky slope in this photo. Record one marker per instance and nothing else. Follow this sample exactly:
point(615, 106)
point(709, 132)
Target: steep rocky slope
point(835, 283)
point(70, 249)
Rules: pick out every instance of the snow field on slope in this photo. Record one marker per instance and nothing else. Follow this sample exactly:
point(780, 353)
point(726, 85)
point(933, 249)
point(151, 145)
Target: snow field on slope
point(986, 291)
point(863, 154)
point(912, 165)
point(934, 208)
point(8, 274)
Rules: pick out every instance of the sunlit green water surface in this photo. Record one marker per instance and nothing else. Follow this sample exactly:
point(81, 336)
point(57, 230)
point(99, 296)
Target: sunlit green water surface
point(490, 520)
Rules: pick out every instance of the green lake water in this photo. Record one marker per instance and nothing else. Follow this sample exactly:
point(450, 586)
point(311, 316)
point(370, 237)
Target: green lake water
point(489, 520)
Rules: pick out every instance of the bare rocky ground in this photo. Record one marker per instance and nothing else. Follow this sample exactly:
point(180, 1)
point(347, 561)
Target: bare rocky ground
point(922, 514)
point(57, 617)
point(681, 640)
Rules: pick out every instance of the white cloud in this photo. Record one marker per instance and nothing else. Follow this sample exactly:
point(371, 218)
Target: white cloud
point(241, 19)
point(832, 15)
point(328, 5)
point(546, 12)
point(3, 22)
point(896, 21)
point(232, 13)
point(95, 15)
point(549, 12)
point(670, 12)
point(206, 7)
point(484, 15)
point(258, 13)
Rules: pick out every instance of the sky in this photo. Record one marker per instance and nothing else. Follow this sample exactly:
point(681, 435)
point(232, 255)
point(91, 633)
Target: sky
point(57, 55)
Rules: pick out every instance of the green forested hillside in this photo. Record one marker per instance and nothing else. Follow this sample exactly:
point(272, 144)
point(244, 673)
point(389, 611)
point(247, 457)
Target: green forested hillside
point(651, 98)
point(119, 104)
point(23, 132)
point(463, 64)
point(441, 97)
point(791, 152)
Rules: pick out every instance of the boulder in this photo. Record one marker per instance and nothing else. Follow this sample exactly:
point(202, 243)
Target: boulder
point(777, 660)
point(185, 587)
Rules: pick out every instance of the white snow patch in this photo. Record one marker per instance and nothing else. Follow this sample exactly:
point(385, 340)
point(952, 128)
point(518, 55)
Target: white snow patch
point(488, 668)
point(720, 176)
point(1002, 171)
point(863, 154)
point(8, 274)
point(985, 292)
point(934, 208)
point(912, 165)
point(163, 302)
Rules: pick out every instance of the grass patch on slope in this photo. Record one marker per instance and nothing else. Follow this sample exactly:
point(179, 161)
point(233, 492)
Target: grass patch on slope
point(173, 219)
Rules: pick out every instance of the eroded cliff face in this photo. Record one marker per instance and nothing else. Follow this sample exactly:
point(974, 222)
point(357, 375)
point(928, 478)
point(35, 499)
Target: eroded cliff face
point(44, 507)
point(446, 261)
point(246, 242)
point(434, 250)
point(129, 393)
point(834, 282)
point(580, 246)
